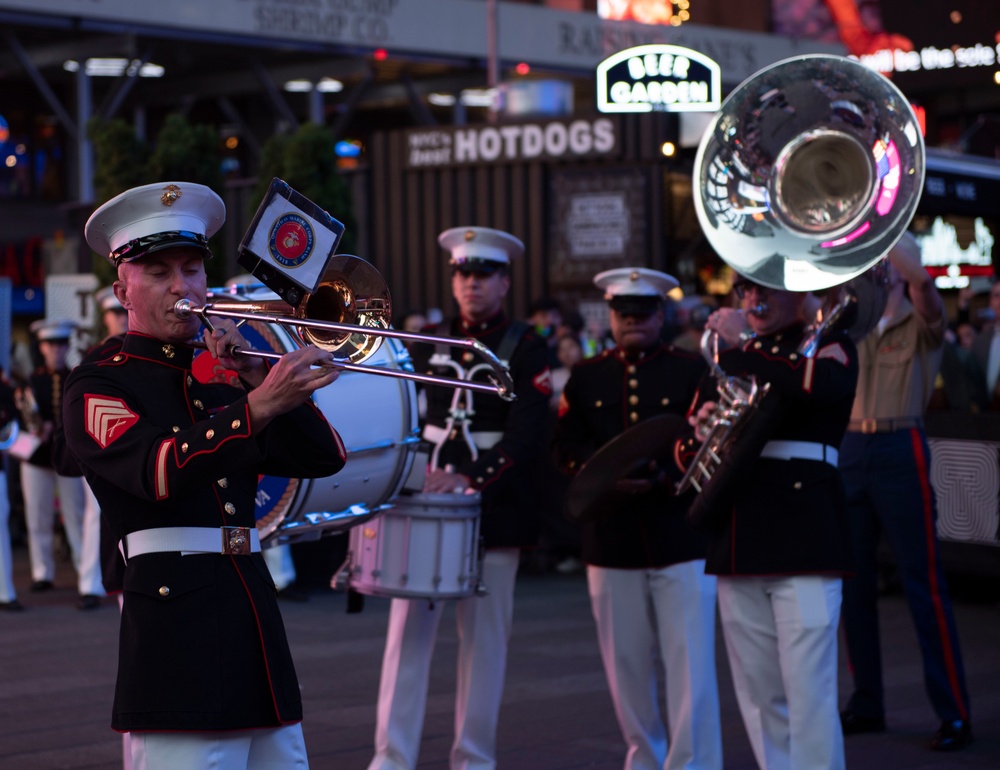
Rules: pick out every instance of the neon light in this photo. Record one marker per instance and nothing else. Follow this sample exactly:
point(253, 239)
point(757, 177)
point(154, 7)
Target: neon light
point(847, 238)
point(890, 182)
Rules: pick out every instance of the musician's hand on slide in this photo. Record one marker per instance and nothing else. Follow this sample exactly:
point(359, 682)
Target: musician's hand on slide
point(222, 340)
point(440, 481)
point(290, 382)
point(699, 421)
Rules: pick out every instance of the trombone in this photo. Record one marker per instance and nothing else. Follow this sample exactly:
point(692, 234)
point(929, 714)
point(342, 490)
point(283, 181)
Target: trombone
point(354, 308)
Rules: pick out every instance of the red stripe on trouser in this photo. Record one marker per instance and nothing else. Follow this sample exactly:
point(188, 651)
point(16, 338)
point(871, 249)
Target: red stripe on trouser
point(930, 536)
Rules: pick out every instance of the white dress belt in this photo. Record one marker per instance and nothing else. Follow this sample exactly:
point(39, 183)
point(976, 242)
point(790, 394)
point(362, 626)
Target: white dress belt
point(235, 541)
point(800, 450)
point(483, 439)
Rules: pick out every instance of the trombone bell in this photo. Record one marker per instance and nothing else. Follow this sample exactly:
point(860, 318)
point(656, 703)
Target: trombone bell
point(350, 292)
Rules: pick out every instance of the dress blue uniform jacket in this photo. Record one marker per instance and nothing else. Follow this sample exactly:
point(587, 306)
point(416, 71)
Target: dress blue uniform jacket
point(502, 473)
point(202, 645)
point(604, 397)
point(789, 516)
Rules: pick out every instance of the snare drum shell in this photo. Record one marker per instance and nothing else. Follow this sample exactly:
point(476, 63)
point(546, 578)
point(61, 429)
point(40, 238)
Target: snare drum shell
point(425, 547)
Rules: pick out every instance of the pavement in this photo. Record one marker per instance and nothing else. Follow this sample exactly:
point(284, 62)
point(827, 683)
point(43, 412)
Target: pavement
point(57, 673)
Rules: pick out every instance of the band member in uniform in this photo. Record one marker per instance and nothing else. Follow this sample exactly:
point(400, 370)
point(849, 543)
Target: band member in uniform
point(113, 316)
point(506, 436)
point(783, 542)
point(204, 671)
point(39, 476)
point(101, 561)
point(885, 462)
point(645, 565)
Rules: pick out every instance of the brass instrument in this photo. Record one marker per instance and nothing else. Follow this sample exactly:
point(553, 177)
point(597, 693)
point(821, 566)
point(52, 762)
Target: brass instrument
point(354, 311)
point(808, 175)
point(738, 398)
point(810, 172)
point(27, 406)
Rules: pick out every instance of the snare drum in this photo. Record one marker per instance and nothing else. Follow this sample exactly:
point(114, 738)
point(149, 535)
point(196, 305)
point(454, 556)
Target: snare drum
point(376, 416)
point(425, 547)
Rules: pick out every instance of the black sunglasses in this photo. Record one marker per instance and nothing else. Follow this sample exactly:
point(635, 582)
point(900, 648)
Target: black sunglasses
point(743, 287)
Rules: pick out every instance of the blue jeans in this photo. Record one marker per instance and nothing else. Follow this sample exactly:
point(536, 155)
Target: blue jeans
point(887, 478)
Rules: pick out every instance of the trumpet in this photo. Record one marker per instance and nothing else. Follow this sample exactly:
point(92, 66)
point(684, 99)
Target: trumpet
point(355, 302)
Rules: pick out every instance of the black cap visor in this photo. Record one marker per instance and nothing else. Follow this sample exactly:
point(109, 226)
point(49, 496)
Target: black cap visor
point(476, 265)
point(148, 244)
point(635, 304)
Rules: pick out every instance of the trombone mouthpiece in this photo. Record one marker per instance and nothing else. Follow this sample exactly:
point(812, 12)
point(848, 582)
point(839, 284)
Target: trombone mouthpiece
point(759, 310)
point(182, 308)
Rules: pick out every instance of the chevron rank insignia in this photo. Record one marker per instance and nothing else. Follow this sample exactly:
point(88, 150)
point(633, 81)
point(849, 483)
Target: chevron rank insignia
point(107, 419)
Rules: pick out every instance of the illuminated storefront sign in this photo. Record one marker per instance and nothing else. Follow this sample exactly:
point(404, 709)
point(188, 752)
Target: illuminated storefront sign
point(665, 78)
point(932, 58)
point(557, 139)
point(953, 265)
point(645, 11)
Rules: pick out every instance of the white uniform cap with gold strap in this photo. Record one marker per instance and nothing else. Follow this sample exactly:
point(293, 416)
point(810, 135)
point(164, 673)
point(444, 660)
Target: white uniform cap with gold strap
point(480, 249)
point(635, 289)
point(107, 301)
point(53, 331)
point(156, 216)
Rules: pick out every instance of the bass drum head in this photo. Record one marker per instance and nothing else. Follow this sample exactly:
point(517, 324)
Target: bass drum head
point(376, 417)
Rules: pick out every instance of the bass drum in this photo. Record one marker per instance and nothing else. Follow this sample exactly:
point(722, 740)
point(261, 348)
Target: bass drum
point(375, 415)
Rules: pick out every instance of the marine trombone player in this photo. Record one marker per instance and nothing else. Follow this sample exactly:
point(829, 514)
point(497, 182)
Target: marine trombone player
point(204, 667)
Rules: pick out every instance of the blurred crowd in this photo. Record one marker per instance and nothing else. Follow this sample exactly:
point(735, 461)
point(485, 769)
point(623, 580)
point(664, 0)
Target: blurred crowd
point(967, 379)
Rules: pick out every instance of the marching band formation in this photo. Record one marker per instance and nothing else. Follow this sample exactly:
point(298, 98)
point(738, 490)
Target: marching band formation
point(781, 416)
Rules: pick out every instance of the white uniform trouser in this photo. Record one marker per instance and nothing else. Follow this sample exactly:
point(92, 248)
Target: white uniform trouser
point(7, 592)
point(781, 636)
point(126, 737)
point(90, 578)
point(280, 565)
point(38, 486)
point(278, 748)
point(483, 632)
point(667, 612)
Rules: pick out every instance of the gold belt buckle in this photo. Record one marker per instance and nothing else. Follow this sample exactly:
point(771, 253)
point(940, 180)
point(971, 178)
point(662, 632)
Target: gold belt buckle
point(869, 425)
point(235, 541)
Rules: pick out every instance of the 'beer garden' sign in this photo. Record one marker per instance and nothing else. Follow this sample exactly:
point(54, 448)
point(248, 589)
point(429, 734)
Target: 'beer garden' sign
point(664, 78)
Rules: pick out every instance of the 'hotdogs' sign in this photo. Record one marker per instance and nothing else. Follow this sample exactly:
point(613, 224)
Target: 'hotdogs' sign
point(664, 78)
point(488, 145)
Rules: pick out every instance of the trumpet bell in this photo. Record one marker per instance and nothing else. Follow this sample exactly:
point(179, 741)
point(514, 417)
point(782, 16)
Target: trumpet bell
point(809, 173)
point(353, 292)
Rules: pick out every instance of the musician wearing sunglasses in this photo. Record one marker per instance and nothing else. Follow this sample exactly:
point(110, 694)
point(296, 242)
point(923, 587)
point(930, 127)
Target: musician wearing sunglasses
point(485, 445)
point(779, 538)
point(652, 602)
point(205, 675)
